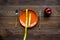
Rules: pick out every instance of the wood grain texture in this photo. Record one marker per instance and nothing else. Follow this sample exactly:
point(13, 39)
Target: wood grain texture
point(29, 2)
point(49, 27)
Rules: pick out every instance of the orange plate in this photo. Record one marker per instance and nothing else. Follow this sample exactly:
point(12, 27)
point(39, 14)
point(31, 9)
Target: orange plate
point(33, 21)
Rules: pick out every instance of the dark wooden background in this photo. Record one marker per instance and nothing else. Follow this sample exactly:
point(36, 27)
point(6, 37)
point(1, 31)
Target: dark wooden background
point(46, 28)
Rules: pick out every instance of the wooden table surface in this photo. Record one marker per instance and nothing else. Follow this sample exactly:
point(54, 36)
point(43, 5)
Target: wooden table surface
point(46, 28)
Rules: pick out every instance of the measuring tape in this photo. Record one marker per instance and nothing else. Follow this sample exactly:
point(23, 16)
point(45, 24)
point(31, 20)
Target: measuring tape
point(28, 18)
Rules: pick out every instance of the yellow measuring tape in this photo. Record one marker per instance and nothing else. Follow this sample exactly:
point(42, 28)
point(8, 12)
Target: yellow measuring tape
point(27, 21)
